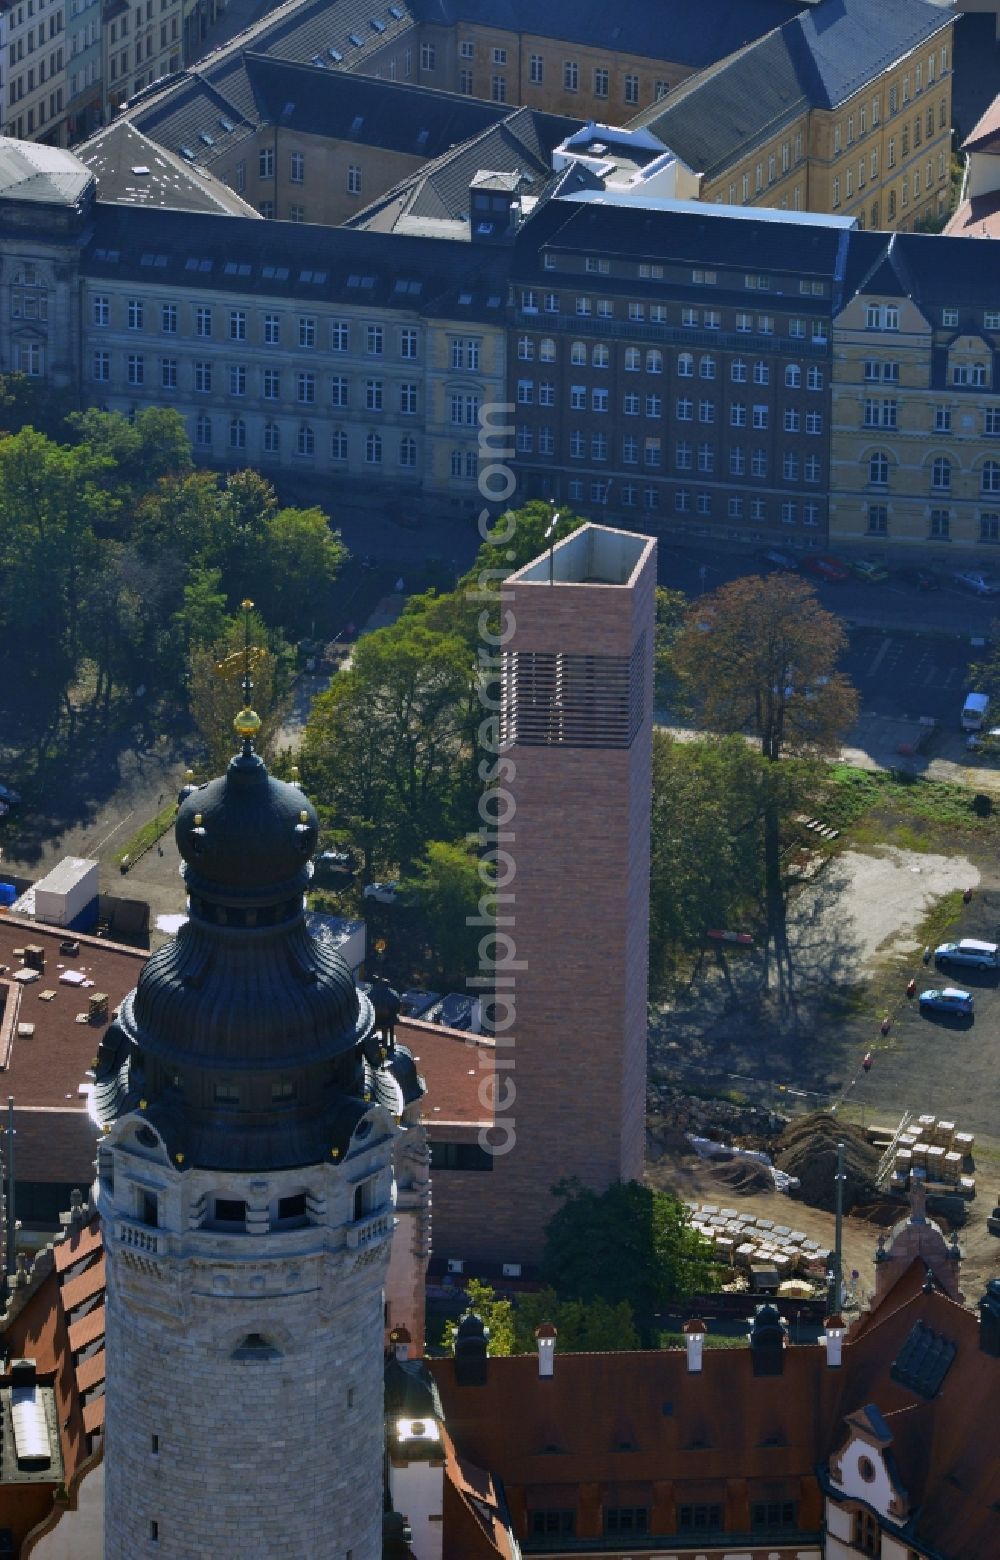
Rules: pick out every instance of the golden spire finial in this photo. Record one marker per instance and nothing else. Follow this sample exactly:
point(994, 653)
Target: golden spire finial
point(247, 722)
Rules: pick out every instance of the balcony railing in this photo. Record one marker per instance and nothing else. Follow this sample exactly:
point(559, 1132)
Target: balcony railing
point(140, 1237)
point(368, 1232)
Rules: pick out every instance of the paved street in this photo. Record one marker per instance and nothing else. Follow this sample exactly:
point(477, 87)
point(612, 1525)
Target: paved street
point(901, 674)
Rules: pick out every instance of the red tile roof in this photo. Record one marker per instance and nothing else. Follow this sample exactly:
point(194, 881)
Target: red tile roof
point(985, 133)
point(87, 1330)
point(82, 1242)
point(976, 218)
point(83, 1286)
point(454, 1065)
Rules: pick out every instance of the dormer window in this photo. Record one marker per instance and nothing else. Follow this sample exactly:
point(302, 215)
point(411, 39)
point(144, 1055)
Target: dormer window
point(226, 1094)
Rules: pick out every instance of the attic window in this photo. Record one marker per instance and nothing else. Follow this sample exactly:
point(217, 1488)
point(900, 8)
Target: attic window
point(318, 59)
point(377, 25)
point(205, 138)
point(187, 153)
point(357, 42)
point(335, 55)
point(465, 297)
point(288, 109)
point(356, 123)
point(226, 124)
point(394, 11)
point(423, 137)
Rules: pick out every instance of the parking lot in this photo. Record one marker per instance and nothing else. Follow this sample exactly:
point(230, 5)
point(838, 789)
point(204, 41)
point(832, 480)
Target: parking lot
point(941, 1064)
point(900, 674)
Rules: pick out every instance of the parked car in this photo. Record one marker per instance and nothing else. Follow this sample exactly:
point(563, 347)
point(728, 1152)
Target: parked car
point(978, 955)
point(333, 864)
point(825, 567)
point(984, 741)
point(947, 999)
point(418, 1004)
point(776, 559)
point(865, 569)
point(9, 797)
point(923, 579)
point(382, 893)
point(978, 582)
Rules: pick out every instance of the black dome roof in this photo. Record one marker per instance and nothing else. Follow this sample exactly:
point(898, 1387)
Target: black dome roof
point(246, 830)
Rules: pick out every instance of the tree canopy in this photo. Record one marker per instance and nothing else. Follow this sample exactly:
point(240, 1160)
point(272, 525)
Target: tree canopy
point(626, 1244)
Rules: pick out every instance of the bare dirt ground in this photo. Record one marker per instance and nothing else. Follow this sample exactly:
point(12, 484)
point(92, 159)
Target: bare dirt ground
point(857, 936)
point(695, 1180)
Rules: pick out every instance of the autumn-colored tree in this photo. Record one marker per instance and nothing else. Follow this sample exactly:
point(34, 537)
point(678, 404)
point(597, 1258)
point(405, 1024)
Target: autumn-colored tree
point(760, 657)
point(215, 692)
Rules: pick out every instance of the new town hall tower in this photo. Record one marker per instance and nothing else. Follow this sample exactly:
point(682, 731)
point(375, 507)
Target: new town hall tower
point(246, 1191)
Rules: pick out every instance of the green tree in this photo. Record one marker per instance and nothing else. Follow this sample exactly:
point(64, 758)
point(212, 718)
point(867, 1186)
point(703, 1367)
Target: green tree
point(671, 610)
point(34, 403)
point(706, 843)
point(136, 454)
point(303, 558)
point(383, 748)
point(760, 657)
point(628, 1243)
point(584, 1327)
point(447, 888)
point(496, 1315)
point(519, 535)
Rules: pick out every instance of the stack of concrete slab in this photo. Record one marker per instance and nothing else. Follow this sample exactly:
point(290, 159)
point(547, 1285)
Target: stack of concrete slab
point(937, 1154)
point(744, 1241)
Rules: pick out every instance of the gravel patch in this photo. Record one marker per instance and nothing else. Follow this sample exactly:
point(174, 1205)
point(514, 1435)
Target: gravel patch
point(868, 904)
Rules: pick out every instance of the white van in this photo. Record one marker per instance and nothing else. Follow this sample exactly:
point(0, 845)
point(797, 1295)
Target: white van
point(974, 711)
point(977, 955)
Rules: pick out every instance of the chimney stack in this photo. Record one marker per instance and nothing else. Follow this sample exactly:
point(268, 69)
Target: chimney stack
point(471, 1351)
point(834, 1329)
point(767, 1342)
point(545, 1337)
point(694, 1337)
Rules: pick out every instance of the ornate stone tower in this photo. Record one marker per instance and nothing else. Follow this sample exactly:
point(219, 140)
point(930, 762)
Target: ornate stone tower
point(246, 1191)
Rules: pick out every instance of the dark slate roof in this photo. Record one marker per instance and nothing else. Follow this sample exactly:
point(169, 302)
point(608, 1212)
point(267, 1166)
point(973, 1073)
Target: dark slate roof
point(690, 233)
point(818, 59)
point(297, 260)
point(303, 29)
point(665, 29)
point(211, 109)
point(932, 269)
point(165, 181)
point(521, 144)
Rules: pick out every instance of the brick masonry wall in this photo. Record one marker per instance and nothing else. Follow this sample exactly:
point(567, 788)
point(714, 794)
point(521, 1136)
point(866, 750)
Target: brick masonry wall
point(581, 845)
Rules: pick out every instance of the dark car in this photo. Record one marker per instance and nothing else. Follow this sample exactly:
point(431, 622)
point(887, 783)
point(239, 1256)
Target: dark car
point(774, 558)
point(826, 567)
point(923, 579)
point(331, 864)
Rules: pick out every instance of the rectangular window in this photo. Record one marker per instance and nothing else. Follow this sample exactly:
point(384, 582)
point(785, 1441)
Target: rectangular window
point(354, 179)
point(237, 325)
point(307, 330)
point(136, 368)
point(631, 88)
point(536, 70)
point(306, 387)
point(265, 163)
point(168, 373)
point(271, 384)
point(340, 336)
point(297, 168)
point(601, 80)
point(168, 319)
point(374, 340)
point(571, 75)
point(135, 314)
point(102, 366)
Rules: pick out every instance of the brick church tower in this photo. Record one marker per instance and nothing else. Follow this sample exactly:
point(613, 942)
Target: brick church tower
point(576, 726)
point(245, 1187)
